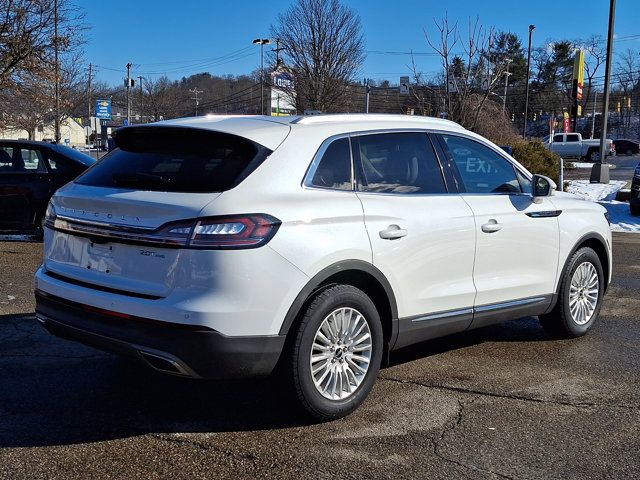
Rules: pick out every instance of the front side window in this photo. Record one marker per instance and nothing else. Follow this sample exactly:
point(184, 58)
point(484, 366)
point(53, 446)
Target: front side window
point(334, 169)
point(397, 163)
point(481, 169)
point(558, 138)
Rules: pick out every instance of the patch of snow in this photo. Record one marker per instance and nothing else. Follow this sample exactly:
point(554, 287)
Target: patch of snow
point(595, 191)
point(584, 164)
point(619, 213)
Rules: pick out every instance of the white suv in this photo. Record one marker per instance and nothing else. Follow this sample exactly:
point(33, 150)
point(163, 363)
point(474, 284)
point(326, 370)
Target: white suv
point(226, 246)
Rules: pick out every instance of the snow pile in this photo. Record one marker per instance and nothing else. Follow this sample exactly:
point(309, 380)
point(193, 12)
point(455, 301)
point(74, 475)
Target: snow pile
point(619, 214)
point(595, 191)
point(584, 164)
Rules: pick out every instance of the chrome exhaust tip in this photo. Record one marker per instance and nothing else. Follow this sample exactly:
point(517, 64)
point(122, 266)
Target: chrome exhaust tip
point(166, 363)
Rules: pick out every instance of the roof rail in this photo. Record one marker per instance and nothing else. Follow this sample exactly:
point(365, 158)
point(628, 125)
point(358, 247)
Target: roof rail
point(371, 117)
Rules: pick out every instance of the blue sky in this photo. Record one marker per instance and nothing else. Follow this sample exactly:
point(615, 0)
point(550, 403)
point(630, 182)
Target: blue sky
point(186, 37)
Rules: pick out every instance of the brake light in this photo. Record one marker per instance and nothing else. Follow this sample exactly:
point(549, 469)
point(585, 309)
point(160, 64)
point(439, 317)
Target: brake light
point(234, 231)
point(242, 231)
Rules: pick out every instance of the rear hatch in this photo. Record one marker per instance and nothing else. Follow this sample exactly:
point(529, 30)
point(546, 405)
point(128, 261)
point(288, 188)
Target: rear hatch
point(121, 225)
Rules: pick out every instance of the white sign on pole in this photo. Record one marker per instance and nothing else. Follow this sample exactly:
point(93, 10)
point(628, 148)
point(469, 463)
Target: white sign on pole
point(404, 85)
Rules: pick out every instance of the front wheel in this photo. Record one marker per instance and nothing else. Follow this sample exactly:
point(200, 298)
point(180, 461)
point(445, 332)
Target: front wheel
point(635, 210)
point(337, 352)
point(580, 297)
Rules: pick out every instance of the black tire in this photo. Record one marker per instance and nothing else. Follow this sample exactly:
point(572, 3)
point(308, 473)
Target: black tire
point(593, 154)
point(629, 152)
point(635, 210)
point(299, 368)
point(559, 323)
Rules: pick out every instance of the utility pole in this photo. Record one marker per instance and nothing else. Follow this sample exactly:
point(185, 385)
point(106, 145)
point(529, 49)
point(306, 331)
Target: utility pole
point(128, 93)
point(506, 84)
point(526, 101)
point(366, 95)
point(89, 104)
point(277, 50)
point(593, 120)
point(195, 91)
point(56, 47)
point(600, 170)
point(140, 78)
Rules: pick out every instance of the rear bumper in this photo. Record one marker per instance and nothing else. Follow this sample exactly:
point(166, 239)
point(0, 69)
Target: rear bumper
point(187, 350)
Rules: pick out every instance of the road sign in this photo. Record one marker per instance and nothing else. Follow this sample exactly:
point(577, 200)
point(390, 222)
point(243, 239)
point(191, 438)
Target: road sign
point(404, 85)
point(125, 122)
point(103, 108)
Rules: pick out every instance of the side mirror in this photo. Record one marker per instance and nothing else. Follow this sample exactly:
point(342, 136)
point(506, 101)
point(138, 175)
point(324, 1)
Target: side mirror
point(542, 186)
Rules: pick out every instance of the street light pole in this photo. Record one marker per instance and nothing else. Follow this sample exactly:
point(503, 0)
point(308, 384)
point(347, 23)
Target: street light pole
point(526, 101)
point(262, 42)
point(600, 170)
point(506, 84)
point(56, 46)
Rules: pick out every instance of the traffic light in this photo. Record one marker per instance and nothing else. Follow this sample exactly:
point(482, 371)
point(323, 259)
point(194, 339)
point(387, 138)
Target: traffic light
point(535, 116)
point(618, 107)
point(628, 102)
point(513, 117)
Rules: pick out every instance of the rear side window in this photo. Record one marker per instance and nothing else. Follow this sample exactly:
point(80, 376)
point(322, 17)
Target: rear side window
point(481, 169)
point(398, 163)
point(334, 169)
point(18, 159)
point(175, 160)
point(573, 138)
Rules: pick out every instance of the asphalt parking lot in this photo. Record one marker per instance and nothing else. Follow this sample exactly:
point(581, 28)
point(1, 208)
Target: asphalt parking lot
point(500, 402)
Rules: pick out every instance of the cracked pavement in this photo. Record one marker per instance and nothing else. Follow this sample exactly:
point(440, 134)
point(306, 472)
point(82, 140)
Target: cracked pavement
point(500, 402)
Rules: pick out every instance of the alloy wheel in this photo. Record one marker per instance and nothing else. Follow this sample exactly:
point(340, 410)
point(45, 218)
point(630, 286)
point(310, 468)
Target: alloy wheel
point(583, 293)
point(341, 353)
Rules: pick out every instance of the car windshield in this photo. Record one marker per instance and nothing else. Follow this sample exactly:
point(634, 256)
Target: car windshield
point(174, 159)
point(73, 154)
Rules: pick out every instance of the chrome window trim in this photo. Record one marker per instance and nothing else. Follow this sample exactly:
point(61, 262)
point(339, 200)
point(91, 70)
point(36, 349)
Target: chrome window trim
point(317, 157)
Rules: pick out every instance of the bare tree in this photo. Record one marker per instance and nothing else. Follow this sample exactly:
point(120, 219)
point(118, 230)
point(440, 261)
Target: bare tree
point(27, 36)
point(324, 48)
point(471, 77)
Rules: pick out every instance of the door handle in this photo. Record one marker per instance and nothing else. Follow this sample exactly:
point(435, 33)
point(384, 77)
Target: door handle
point(491, 226)
point(393, 232)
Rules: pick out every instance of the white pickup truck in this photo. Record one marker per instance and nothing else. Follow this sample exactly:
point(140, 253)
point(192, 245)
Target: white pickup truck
point(572, 145)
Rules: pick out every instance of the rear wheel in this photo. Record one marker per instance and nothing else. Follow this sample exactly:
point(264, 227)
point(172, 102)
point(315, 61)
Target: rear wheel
point(635, 210)
point(629, 152)
point(580, 297)
point(336, 353)
point(593, 155)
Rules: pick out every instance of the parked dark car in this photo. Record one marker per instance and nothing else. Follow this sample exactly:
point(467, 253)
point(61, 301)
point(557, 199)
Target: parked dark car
point(627, 147)
point(634, 198)
point(29, 174)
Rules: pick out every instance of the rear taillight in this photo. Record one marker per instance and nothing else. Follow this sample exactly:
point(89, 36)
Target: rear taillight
point(234, 231)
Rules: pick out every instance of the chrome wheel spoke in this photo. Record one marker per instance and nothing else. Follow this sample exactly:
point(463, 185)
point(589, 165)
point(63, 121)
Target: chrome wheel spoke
point(341, 353)
point(584, 293)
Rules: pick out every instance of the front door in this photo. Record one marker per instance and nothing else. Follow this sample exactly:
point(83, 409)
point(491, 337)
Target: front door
point(422, 237)
point(517, 243)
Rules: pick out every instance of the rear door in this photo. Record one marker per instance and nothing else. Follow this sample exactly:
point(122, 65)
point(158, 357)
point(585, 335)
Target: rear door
point(517, 244)
point(25, 186)
point(422, 237)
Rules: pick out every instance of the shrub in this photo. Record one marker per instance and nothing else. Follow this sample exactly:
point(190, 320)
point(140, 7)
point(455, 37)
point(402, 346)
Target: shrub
point(536, 158)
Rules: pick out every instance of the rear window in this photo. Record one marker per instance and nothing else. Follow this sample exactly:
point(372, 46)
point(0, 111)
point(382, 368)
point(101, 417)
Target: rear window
point(173, 159)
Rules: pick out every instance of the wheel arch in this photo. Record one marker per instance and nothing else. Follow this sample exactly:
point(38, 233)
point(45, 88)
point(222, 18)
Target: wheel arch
point(361, 275)
point(598, 244)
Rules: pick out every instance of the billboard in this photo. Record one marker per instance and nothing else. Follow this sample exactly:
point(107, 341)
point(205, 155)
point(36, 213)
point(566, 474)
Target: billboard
point(103, 108)
point(282, 94)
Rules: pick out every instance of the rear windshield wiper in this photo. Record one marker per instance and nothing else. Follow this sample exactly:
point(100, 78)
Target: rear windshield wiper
point(140, 180)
